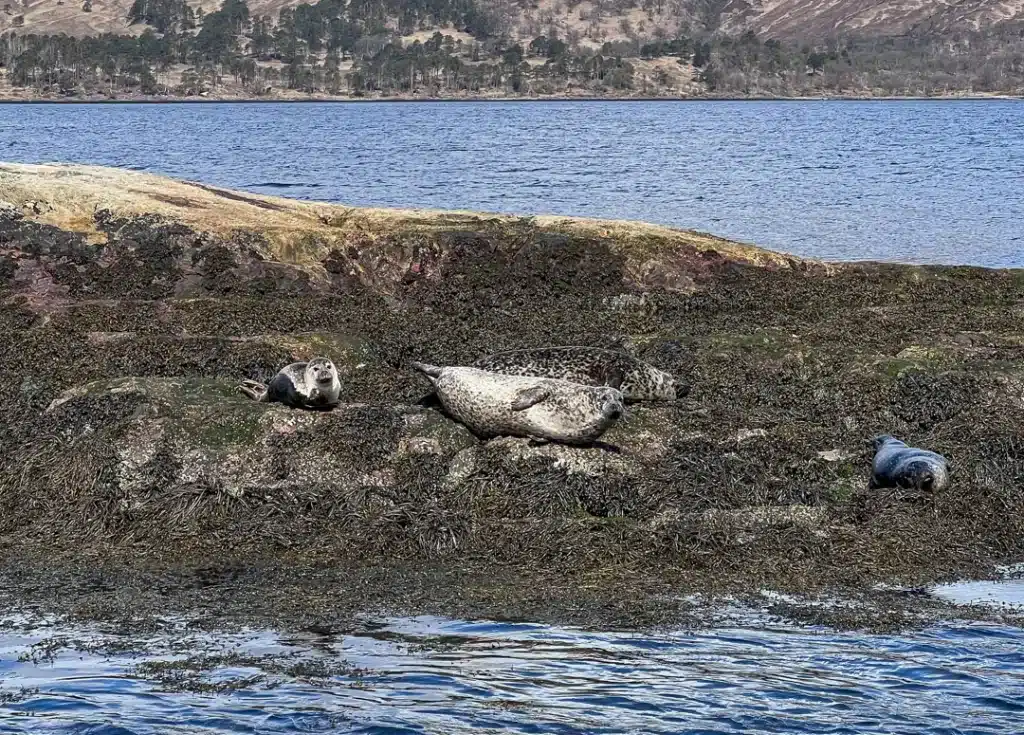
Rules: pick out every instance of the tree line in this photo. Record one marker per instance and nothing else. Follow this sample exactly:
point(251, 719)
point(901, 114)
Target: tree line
point(980, 62)
point(354, 47)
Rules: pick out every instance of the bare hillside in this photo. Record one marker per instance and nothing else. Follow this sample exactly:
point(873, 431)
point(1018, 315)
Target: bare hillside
point(66, 16)
point(812, 19)
point(596, 21)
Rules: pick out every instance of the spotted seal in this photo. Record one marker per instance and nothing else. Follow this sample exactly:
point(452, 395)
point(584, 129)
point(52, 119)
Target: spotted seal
point(589, 366)
point(493, 404)
point(899, 465)
point(312, 384)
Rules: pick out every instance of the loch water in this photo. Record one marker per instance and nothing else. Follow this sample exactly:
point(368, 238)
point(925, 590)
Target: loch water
point(908, 181)
point(432, 675)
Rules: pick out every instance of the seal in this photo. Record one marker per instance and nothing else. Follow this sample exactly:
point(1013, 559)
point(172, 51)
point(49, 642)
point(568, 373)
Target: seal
point(312, 384)
point(899, 465)
point(589, 366)
point(493, 404)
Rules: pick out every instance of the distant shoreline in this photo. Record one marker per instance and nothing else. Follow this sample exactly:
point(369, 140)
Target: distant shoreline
point(367, 100)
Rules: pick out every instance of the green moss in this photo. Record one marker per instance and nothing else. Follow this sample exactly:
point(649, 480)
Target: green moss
point(843, 489)
point(202, 391)
point(916, 358)
point(222, 427)
point(767, 343)
point(212, 413)
point(165, 390)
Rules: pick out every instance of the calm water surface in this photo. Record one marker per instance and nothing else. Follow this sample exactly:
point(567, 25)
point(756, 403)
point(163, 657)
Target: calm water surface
point(429, 675)
point(935, 182)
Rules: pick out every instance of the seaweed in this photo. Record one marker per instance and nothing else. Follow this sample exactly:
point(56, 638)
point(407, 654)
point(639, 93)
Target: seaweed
point(757, 478)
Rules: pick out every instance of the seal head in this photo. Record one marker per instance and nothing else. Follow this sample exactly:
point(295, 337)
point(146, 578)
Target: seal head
point(595, 366)
point(493, 404)
point(898, 465)
point(321, 379)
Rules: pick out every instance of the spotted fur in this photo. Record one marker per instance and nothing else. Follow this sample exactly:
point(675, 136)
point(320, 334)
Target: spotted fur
point(312, 384)
point(899, 465)
point(637, 380)
point(492, 404)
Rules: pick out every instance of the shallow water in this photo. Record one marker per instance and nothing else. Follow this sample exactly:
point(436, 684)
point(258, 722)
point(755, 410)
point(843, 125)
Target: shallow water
point(429, 675)
point(928, 182)
point(1008, 593)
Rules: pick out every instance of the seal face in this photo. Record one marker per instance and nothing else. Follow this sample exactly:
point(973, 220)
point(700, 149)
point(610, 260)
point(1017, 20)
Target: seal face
point(638, 380)
point(899, 465)
point(312, 384)
point(493, 404)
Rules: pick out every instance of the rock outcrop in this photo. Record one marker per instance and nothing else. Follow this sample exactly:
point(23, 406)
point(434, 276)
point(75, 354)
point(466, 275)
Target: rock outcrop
point(131, 306)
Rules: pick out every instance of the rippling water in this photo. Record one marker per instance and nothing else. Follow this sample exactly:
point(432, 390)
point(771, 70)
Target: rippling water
point(429, 675)
point(936, 182)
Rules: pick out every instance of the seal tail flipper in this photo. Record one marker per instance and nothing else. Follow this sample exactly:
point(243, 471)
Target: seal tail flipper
point(255, 390)
point(431, 371)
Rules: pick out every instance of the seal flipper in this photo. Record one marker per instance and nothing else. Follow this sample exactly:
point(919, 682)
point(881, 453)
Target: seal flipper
point(317, 402)
point(529, 397)
point(255, 390)
point(431, 371)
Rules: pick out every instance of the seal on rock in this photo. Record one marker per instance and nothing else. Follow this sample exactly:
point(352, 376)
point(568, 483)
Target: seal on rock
point(312, 384)
point(494, 404)
point(589, 366)
point(899, 465)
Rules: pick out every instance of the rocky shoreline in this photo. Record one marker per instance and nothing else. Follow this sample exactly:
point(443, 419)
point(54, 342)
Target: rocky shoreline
point(135, 475)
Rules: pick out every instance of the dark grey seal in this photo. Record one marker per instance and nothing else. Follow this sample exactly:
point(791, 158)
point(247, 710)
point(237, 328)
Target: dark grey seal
point(589, 366)
point(312, 384)
point(899, 465)
point(493, 404)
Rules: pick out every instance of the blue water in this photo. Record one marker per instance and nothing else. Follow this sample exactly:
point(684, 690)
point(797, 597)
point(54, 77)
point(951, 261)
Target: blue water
point(928, 182)
point(429, 675)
